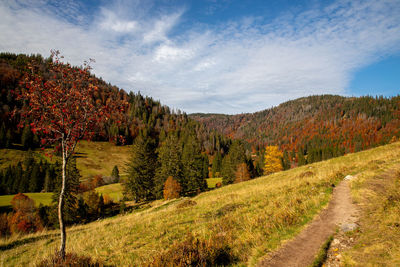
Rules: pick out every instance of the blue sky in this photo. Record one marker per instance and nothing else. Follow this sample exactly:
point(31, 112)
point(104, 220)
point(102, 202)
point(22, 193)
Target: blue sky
point(223, 56)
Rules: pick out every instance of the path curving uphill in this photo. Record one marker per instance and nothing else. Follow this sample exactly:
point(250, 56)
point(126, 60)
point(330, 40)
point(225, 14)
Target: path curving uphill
point(302, 250)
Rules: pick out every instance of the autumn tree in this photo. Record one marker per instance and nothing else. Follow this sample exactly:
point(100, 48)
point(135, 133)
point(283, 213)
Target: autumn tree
point(61, 108)
point(172, 188)
point(272, 160)
point(242, 173)
point(25, 218)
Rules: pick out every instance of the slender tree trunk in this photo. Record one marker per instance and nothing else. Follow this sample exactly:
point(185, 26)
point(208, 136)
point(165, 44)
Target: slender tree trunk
point(61, 202)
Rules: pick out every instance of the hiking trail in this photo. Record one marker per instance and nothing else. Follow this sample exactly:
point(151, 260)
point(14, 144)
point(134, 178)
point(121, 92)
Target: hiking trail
point(302, 249)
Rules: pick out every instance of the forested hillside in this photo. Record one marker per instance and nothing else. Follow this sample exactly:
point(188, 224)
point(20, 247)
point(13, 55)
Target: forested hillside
point(165, 142)
point(314, 128)
point(142, 113)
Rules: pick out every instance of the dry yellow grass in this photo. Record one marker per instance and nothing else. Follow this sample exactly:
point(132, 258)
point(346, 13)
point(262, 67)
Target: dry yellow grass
point(259, 214)
point(377, 191)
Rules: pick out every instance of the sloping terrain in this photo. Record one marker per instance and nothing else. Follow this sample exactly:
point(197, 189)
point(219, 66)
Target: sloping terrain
point(254, 217)
point(92, 158)
point(319, 127)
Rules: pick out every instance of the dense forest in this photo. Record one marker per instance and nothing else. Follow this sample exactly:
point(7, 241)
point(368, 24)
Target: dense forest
point(164, 142)
point(314, 128)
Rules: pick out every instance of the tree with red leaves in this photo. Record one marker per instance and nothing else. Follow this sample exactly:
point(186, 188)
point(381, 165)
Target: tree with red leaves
point(61, 108)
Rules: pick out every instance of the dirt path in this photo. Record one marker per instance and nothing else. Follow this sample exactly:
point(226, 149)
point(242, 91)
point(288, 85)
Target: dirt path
point(301, 250)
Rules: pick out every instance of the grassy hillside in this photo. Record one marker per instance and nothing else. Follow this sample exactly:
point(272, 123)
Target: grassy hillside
point(114, 191)
point(92, 157)
point(252, 218)
point(100, 157)
point(39, 198)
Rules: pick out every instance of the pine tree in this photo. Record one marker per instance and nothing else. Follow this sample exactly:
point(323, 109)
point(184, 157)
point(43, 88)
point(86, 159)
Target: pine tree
point(227, 170)
point(300, 158)
point(169, 158)
point(285, 161)
point(2, 135)
point(27, 137)
point(193, 167)
point(236, 156)
point(34, 183)
point(141, 170)
point(216, 165)
point(115, 174)
point(9, 139)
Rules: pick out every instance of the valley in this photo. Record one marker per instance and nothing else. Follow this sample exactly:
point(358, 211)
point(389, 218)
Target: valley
point(254, 218)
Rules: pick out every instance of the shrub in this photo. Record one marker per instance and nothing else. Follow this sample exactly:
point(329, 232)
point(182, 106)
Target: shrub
point(71, 259)
point(98, 181)
point(4, 229)
point(22, 222)
point(25, 218)
point(196, 252)
point(186, 203)
point(21, 202)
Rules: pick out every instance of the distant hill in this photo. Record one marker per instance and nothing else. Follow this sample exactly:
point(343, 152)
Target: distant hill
point(144, 115)
point(316, 127)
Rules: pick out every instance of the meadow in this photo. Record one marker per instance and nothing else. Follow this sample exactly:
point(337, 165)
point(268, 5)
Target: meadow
point(252, 218)
point(39, 198)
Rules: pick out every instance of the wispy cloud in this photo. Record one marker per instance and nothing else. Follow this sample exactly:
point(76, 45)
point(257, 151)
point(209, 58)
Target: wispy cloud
point(232, 67)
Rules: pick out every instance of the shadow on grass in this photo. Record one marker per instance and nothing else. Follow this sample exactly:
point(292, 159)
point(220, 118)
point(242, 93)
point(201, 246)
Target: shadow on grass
point(24, 241)
point(80, 155)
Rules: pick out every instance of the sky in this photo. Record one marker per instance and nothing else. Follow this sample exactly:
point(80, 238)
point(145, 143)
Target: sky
point(218, 56)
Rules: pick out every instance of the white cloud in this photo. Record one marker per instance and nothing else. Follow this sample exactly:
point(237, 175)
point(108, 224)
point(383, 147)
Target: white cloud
point(110, 21)
point(234, 67)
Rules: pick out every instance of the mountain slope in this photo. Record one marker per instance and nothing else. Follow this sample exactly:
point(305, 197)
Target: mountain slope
point(317, 127)
point(252, 218)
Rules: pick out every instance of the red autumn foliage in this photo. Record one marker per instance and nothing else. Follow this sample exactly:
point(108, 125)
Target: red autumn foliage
point(62, 109)
point(21, 202)
point(25, 218)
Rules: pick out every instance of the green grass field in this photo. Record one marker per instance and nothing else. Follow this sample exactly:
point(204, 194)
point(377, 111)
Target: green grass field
point(114, 191)
point(93, 158)
point(211, 182)
point(100, 158)
point(39, 198)
point(255, 216)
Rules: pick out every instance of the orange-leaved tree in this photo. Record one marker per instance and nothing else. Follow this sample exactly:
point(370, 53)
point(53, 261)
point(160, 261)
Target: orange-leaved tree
point(25, 218)
point(272, 160)
point(61, 108)
point(172, 188)
point(242, 173)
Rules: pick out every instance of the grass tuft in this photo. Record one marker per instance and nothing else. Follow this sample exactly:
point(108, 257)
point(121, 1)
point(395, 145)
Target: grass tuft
point(323, 253)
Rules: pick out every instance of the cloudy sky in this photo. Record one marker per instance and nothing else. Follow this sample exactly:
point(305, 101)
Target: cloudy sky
point(223, 56)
